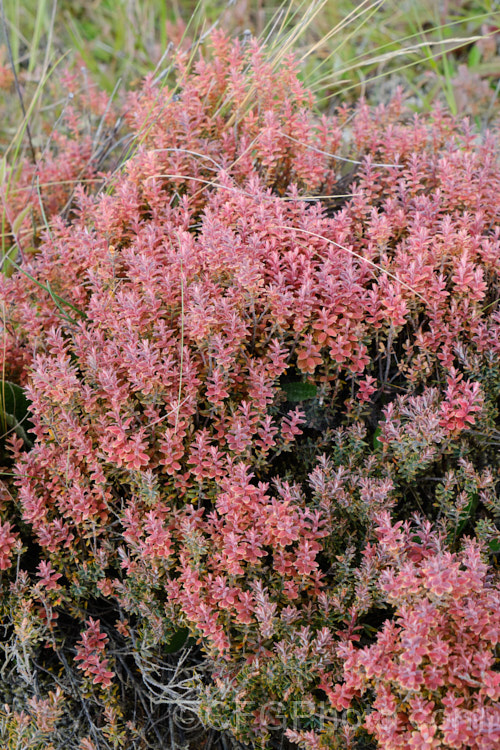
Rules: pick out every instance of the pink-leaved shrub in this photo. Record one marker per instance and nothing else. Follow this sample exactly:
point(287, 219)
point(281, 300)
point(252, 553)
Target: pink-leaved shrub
point(240, 388)
point(432, 667)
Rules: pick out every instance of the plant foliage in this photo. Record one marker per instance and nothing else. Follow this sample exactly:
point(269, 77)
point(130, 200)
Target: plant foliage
point(270, 440)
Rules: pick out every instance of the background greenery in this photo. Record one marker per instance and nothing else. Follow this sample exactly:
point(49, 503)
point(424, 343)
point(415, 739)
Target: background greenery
point(348, 47)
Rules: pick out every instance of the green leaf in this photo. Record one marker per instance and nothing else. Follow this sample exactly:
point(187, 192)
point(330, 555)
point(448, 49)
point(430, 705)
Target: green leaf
point(14, 410)
point(377, 445)
point(177, 641)
point(299, 390)
point(16, 224)
point(468, 510)
point(13, 400)
point(494, 545)
point(474, 56)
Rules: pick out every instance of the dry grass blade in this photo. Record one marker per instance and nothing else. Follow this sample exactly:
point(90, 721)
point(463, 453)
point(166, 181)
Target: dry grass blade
point(457, 42)
point(364, 9)
point(354, 254)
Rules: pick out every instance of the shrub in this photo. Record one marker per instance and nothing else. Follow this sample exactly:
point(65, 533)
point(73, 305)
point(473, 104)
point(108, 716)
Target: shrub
point(41, 183)
point(231, 384)
point(432, 666)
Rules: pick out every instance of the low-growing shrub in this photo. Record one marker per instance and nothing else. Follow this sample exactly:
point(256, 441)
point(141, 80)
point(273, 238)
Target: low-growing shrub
point(432, 667)
point(236, 381)
point(40, 184)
